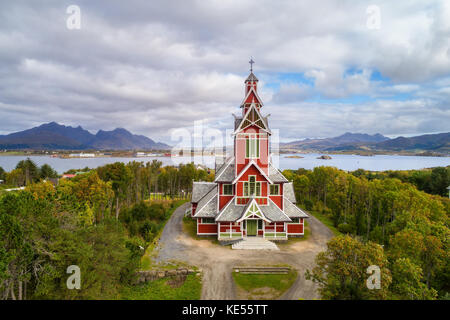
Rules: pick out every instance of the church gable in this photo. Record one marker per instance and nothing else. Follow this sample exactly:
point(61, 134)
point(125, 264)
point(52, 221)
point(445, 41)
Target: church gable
point(253, 118)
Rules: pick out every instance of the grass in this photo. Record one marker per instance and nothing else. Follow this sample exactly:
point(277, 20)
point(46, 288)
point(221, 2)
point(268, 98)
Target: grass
point(160, 289)
point(263, 286)
point(146, 260)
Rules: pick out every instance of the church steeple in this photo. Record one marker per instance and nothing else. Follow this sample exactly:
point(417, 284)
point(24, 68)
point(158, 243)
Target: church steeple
point(251, 93)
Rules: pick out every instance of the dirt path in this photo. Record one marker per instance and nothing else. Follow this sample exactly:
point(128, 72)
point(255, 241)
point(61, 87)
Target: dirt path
point(217, 261)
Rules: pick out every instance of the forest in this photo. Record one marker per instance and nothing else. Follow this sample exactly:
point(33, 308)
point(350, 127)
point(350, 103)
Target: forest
point(384, 219)
point(103, 219)
point(100, 220)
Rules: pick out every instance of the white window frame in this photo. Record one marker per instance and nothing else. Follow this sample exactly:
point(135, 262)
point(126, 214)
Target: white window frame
point(270, 189)
point(254, 147)
point(223, 189)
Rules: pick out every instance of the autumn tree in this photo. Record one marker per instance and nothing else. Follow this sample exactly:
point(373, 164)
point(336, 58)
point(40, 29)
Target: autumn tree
point(341, 271)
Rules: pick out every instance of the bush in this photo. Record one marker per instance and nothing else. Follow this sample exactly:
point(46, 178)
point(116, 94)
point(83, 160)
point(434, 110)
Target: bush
point(345, 228)
point(308, 204)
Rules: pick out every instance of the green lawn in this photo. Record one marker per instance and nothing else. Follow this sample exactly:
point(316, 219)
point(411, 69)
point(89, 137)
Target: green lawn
point(162, 290)
point(263, 286)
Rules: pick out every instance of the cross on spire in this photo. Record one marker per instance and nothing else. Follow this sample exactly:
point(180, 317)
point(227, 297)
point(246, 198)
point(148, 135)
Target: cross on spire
point(251, 64)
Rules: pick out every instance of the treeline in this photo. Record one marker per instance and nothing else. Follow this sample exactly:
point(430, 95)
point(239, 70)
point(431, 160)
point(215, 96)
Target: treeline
point(412, 227)
point(97, 220)
point(27, 172)
point(433, 181)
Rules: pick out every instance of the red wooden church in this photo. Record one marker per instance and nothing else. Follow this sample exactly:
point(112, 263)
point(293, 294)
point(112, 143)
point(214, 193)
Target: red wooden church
point(249, 196)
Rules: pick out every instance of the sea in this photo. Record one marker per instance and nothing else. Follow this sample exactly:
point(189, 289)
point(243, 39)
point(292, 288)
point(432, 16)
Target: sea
point(283, 161)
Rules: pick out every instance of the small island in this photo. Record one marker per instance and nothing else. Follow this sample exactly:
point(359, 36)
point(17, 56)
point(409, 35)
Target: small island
point(294, 157)
point(324, 157)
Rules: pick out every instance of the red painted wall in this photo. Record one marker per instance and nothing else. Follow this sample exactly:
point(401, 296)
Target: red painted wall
point(223, 200)
point(295, 228)
point(206, 228)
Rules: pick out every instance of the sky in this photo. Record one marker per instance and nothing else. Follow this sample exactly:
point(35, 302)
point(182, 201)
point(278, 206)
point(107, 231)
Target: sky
point(154, 67)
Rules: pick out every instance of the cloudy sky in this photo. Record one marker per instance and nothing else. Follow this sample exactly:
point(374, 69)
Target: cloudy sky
point(325, 67)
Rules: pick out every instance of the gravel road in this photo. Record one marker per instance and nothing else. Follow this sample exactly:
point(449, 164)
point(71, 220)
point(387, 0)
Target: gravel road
point(217, 261)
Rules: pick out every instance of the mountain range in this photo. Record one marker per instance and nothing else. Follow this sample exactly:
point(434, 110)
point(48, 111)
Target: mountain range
point(439, 143)
point(53, 136)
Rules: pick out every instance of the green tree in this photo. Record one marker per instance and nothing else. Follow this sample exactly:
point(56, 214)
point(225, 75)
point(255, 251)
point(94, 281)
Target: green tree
point(341, 270)
point(30, 170)
point(46, 171)
point(407, 282)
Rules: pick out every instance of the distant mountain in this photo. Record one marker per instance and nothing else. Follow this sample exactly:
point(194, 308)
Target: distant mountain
point(439, 143)
point(430, 142)
point(327, 143)
point(55, 136)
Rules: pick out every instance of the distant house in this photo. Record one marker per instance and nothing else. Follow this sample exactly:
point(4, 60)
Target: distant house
point(68, 176)
point(82, 155)
point(1, 181)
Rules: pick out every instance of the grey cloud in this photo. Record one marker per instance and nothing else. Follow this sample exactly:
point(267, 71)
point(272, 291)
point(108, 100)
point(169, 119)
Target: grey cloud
point(153, 66)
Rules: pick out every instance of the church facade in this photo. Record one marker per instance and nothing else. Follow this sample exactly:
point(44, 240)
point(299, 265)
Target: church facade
point(249, 196)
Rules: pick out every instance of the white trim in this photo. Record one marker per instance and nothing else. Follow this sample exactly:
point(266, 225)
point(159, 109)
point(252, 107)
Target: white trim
point(239, 129)
point(248, 94)
point(208, 223)
point(246, 168)
point(263, 217)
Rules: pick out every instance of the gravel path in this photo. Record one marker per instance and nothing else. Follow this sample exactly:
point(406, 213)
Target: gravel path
point(217, 261)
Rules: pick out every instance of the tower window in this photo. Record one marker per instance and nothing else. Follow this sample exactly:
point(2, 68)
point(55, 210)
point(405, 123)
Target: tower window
point(252, 147)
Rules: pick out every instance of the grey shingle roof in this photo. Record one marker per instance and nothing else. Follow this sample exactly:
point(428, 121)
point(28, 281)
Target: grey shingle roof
point(274, 213)
point(292, 210)
point(275, 175)
point(200, 189)
point(288, 192)
point(207, 206)
point(252, 77)
point(226, 172)
point(231, 212)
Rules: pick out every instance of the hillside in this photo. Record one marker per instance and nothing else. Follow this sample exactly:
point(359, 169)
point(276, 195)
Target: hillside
point(345, 139)
point(53, 136)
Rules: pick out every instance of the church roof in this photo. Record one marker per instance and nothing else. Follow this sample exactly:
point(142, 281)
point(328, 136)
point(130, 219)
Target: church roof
point(292, 211)
point(207, 206)
point(288, 192)
point(232, 212)
point(275, 175)
point(226, 172)
point(200, 189)
point(251, 77)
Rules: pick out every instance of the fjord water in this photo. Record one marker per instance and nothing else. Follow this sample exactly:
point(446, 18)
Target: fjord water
point(309, 161)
